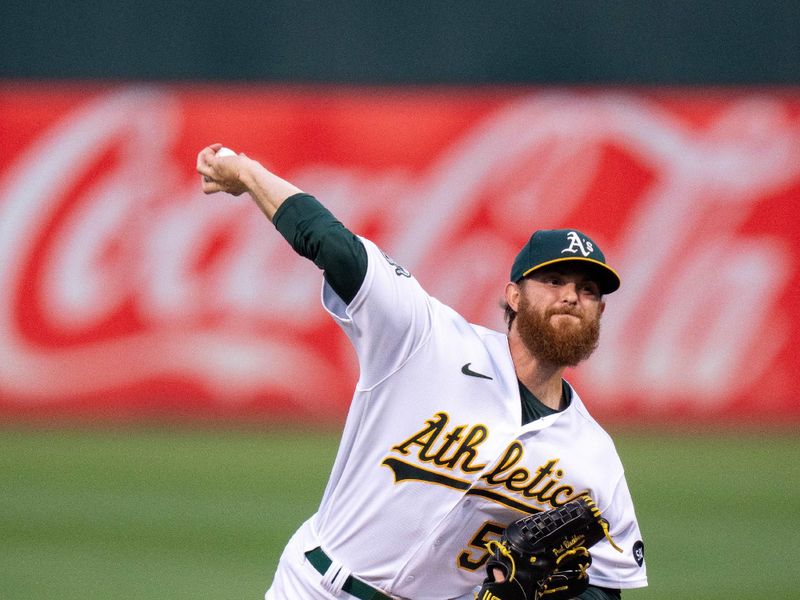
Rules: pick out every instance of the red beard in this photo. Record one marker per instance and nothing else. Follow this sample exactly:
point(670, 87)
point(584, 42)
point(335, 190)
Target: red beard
point(564, 345)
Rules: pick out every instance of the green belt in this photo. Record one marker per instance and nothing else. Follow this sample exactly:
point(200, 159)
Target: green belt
point(354, 587)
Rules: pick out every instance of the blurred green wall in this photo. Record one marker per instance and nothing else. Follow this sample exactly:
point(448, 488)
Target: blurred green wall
point(572, 42)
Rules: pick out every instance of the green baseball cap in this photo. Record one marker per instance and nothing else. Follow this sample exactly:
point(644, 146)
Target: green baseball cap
point(552, 246)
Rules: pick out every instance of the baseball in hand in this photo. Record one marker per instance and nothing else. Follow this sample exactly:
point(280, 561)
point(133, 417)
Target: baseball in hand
point(221, 153)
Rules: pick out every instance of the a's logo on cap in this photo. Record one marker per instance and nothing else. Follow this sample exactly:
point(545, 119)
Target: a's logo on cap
point(576, 244)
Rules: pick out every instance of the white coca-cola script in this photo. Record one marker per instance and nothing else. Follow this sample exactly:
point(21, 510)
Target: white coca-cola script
point(118, 272)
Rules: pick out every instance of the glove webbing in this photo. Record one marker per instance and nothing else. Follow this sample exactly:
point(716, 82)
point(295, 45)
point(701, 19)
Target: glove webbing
point(501, 548)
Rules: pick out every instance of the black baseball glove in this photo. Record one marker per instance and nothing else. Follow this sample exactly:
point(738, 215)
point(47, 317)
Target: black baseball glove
point(545, 556)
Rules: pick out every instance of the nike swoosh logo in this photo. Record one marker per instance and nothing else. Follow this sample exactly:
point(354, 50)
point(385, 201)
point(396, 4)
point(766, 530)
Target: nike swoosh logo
point(467, 371)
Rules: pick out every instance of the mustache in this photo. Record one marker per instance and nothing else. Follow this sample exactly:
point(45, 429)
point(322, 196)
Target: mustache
point(575, 312)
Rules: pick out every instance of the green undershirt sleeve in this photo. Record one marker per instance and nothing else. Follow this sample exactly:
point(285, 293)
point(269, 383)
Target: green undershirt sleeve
point(598, 593)
point(316, 234)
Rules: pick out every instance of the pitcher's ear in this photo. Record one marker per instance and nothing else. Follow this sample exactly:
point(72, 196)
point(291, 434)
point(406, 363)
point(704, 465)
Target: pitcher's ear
point(512, 294)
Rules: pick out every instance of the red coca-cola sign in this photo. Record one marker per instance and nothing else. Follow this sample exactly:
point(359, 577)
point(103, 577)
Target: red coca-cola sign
point(126, 291)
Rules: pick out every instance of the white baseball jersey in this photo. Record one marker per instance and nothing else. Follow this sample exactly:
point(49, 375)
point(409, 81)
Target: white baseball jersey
point(434, 461)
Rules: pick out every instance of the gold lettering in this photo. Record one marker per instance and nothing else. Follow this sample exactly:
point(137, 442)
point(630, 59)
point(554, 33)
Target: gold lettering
point(517, 478)
point(566, 490)
point(449, 440)
point(512, 456)
point(425, 437)
point(464, 454)
point(542, 472)
point(540, 493)
point(457, 448)
point(467, 452)
point(541, 486)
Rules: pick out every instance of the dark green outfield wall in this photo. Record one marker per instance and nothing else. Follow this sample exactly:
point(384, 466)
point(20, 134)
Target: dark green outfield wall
point(626, 42)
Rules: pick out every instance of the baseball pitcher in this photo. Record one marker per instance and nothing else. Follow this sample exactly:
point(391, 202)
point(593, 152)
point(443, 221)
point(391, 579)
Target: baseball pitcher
point(468, 466)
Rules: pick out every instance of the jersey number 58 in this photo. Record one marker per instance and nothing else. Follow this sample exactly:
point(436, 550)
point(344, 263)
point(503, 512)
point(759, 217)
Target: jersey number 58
point(474, 559)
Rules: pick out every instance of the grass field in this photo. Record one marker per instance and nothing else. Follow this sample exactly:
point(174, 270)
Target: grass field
point(157, 513)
